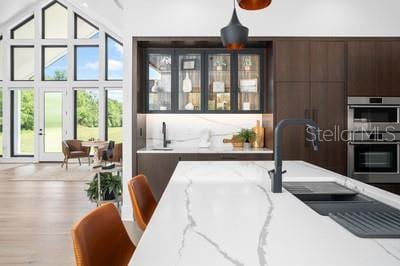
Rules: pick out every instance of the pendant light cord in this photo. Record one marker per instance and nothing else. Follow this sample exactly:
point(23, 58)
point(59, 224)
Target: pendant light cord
point(234, 4)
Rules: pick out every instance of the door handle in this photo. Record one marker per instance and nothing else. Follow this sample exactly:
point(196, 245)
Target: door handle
point(315, 115)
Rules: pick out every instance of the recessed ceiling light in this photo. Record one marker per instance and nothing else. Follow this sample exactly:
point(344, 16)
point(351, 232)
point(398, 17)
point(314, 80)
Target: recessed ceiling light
point(85, 4)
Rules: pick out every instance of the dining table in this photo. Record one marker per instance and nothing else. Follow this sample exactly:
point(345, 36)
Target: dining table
point(96, 145)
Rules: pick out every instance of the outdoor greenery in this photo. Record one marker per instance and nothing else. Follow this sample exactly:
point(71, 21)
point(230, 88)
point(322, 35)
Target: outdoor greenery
point(27, 114)
point(58, 75)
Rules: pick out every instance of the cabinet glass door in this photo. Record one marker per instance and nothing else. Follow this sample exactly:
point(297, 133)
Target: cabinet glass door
point(159, 82)
point(249, 83)
point(189, 78)
point(219, 82)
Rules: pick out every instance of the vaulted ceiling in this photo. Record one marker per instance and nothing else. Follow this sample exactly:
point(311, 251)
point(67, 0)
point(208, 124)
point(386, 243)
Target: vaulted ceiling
point(108, 12)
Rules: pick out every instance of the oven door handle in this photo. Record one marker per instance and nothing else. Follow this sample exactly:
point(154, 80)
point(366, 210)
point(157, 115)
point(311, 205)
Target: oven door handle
point(372, 142)
point(372, 106)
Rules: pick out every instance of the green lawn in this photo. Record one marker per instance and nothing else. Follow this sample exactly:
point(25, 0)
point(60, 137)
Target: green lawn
point(54, 144)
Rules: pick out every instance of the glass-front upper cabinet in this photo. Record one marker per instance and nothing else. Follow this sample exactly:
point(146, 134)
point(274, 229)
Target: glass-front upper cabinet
point(189, 82)
point(219, 82)
point(249, 82)
point(159, 81)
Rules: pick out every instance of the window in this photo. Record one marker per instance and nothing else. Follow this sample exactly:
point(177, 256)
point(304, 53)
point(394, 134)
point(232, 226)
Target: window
point(87, 63)
point(1, 121)
point(24, 30)
point(22, 112)
point(86, 114)
point(84, 29)
point(55, 64)
point(114, 63)
point(1, 58)
point(53, 121)
point(114, 115)
point(55, 21)
point(22, 63)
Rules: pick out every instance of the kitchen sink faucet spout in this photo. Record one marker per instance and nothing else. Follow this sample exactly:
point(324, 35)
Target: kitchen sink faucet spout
point(276, 174)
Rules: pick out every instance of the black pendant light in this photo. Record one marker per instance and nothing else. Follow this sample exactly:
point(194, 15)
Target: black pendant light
point(234, 36)
point(254, 4)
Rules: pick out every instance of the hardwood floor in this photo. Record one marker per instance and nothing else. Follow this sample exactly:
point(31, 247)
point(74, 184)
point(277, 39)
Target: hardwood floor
point(36, 216)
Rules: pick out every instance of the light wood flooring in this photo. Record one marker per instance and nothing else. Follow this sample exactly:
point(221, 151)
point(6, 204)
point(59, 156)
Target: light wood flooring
point(36, 216)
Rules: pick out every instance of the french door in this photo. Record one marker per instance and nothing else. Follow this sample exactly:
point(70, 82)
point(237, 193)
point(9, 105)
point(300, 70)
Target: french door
point(52, 123)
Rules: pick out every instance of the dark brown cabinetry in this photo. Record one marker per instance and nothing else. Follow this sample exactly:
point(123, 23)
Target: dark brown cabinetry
point(327, 61)
point(318, 93)
point(361, 68)
point(328, 110)
point(373, 68)
point(159, 167)
point(292, 101)
point(388, 68)
point(293, 61)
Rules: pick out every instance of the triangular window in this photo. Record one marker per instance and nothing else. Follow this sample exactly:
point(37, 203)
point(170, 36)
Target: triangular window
point(24, 30)
point(84, 29)
point(55, 17)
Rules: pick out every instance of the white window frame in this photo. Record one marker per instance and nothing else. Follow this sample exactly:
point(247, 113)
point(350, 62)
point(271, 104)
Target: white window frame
point(102, 84)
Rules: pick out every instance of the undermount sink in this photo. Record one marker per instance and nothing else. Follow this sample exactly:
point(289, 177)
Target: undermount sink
point(359, 214)
point(162, 149)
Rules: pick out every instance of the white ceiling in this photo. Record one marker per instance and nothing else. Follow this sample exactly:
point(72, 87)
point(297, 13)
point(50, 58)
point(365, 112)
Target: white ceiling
point(108, 12)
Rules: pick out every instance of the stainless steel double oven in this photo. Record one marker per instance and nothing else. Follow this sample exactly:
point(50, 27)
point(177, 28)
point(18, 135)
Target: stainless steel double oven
point(374, 139)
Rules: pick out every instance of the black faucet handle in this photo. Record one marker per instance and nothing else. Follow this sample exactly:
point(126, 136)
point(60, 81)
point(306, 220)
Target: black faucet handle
point(284, 172)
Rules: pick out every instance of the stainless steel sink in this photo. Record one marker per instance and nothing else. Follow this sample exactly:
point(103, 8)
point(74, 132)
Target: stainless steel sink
point(359, 214)
point(162, 149)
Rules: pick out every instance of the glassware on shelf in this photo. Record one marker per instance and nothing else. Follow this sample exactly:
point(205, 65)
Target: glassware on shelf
point(219, 82)
point(189, 78)
point(249, 82)
point(159, 83)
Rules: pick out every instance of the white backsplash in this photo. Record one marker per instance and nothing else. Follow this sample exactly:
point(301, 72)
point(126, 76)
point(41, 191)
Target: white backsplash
point(184, 129)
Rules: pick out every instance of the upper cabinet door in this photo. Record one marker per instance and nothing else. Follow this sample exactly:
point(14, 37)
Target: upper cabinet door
point(190, 82)
point(159, 82)
point(361, 67)
point(219, 82)
point(249, 82)
point(388, 68)
point(327, 61)
point(292, 61)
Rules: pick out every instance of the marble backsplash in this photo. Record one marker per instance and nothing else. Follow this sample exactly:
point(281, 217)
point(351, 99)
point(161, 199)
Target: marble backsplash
point(184, 130)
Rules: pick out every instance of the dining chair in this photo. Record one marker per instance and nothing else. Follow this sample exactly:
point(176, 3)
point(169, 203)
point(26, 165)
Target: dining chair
point(143, 201)
point(100, 238)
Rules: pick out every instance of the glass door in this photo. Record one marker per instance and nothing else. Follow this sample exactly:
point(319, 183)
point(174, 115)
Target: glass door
point(189, 78)
point(219, 83)
point(249, 82)
point(51, 124)
point(159, 82)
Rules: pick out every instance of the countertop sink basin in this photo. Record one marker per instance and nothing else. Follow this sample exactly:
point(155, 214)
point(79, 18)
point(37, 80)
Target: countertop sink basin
point(359, 214)
point(162, 149)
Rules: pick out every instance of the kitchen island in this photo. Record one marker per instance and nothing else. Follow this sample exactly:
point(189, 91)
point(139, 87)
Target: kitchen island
point(223, 213)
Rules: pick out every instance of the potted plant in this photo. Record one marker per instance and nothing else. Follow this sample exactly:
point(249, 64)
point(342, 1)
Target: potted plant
point(110, 187)
point(247, 136)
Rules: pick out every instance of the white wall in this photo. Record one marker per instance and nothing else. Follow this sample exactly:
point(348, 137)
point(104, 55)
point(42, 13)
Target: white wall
point(282, 18)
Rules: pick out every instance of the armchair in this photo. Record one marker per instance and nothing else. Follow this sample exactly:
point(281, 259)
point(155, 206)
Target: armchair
point(73, 149)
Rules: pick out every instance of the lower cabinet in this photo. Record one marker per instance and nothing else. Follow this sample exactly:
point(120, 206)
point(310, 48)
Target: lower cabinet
point(159, 167)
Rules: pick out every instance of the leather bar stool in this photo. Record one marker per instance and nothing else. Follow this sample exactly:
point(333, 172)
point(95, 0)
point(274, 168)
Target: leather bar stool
point(143, 201)
point(100, 238)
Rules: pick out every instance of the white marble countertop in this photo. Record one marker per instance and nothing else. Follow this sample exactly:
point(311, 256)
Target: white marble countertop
point(223, 213)
point(228, 149)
